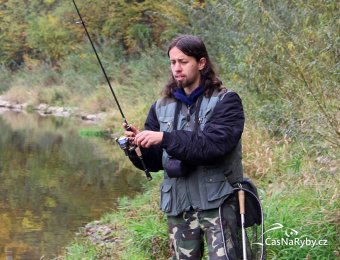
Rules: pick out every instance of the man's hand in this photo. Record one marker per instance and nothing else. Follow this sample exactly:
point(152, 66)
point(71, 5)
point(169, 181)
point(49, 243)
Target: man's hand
point(131, 133)
point(148, 138)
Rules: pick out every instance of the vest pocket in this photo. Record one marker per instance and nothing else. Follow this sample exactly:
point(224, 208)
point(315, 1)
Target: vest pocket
point(166, 197)
point(165, 123)
point(217, 187)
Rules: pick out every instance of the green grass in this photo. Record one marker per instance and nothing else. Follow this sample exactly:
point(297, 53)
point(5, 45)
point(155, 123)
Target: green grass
point(301, 209)
point(81, 250)
point(92, 132)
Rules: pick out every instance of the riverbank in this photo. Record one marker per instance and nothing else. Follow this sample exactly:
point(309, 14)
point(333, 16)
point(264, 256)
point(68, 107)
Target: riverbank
point(48, 110)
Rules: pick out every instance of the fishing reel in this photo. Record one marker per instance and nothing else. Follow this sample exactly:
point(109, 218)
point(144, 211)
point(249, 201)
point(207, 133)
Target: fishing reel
point(125, 144)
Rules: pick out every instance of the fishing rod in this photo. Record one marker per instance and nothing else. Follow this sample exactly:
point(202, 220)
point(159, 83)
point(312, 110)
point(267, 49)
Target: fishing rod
point(99, 61)
point(123, 142)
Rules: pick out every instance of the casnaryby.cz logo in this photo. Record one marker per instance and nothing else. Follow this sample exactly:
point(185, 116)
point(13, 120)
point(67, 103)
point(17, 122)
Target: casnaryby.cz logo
point(289, 237)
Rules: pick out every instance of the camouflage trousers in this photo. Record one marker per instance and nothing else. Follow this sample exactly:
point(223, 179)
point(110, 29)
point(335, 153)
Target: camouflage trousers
point(187, 232)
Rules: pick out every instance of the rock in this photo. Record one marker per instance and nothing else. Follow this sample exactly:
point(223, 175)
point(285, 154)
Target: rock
point(3, 110)
point(4, 103)
point(99, 234)
point(41, 107)
point(90, 117)
point(46, 110)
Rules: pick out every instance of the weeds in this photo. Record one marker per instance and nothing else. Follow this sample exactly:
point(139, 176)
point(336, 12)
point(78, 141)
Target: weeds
point(5, 78)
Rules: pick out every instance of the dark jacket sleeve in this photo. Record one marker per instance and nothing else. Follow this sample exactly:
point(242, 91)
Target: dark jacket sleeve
point(151, 156)
point(220, 135)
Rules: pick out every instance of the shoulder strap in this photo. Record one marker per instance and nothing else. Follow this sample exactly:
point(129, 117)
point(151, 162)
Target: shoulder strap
point(178, 106)
point(225, 91)
point(197, 112)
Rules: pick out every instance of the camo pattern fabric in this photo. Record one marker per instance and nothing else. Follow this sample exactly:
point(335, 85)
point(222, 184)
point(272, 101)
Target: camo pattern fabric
point(187, 230)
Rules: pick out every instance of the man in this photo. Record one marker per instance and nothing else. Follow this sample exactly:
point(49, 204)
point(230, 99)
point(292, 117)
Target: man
point(193, 132)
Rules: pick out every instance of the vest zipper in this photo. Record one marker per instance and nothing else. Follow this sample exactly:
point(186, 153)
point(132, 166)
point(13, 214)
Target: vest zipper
point(169, 124)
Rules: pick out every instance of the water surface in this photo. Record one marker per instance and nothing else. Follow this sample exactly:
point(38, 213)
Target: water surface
point(53, 181)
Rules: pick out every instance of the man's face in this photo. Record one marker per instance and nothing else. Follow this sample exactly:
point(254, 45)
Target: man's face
point(185, 69)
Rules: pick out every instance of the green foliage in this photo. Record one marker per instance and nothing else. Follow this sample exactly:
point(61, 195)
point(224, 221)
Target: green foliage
point(48, 38)
point(12, 32)
point(309, 222)
point(138, 72)
point(5, 78)
point(137, 25)
point(296, 65)
point(151, 237)
point(285, 55)
point(46, 30)
point(89, 132)
point(16, 21)
point(142, 228)
point(54, 96)
point(80, 70)
point(81, 251)
point(44, 75)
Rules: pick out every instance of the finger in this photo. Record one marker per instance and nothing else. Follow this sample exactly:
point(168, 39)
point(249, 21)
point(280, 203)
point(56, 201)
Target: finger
point(129, 134)
point(145, 143)
point(143, 139)
point(138, 140)
point(140, 136)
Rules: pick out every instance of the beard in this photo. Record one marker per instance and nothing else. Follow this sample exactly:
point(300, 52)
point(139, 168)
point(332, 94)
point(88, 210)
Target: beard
point(185, 83)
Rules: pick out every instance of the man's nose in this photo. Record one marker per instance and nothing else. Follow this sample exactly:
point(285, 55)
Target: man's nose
point(177, 66)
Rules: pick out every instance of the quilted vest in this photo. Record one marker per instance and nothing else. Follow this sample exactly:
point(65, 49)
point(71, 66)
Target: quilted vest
point(206, 186)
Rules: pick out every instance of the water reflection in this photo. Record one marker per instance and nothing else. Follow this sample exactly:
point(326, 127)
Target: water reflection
point(52, 181)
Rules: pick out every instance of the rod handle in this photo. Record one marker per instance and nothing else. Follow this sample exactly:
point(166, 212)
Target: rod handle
point(139, 154)
point(241, 198)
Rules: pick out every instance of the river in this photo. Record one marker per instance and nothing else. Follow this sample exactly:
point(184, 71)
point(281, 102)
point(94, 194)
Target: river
point(53, 181)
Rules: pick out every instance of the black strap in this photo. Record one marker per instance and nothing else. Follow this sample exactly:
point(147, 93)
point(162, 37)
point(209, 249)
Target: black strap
point(178, 106)
point(197, 113)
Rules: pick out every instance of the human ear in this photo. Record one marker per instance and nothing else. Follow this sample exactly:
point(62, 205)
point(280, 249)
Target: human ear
point(201, 63)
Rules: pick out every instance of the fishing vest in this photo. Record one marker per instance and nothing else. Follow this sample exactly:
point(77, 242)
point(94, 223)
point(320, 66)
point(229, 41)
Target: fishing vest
point(205, 187)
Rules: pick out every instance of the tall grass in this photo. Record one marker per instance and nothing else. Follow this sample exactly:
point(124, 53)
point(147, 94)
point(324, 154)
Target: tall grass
point(5, 79)
point(304, 217)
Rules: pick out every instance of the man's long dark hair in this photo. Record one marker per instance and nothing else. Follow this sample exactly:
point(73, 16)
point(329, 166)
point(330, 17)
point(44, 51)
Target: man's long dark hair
point(193, 46)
